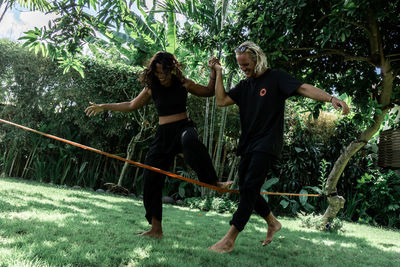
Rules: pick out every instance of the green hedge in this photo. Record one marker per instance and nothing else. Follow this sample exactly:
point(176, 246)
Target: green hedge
point(38, 95)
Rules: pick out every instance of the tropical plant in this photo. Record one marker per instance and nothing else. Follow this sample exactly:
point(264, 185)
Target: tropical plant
point(377, 193)
point(136, 36)
point(41, 5)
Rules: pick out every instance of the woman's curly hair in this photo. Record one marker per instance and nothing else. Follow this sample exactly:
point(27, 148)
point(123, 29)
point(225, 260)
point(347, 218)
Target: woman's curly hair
point(169, 64)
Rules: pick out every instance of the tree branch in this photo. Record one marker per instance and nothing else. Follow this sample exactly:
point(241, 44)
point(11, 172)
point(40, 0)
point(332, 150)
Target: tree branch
point(395, 102)
point(301, 49)
point(8, 4)
point(347, 56)
point(395, 72)
point(360, 26)
point(375, 40)
point(330, 52)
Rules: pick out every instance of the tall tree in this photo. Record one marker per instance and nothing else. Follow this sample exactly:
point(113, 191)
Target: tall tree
point(346, 47)
point(81, 22)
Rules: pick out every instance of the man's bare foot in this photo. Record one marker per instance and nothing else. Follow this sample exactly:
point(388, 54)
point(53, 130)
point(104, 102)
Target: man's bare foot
point(152, 233)
point(223, 246)
point(273, 226)
point(224, 185)
point(227, 243)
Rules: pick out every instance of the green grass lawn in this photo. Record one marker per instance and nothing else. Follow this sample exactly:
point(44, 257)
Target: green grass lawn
point(43, 225)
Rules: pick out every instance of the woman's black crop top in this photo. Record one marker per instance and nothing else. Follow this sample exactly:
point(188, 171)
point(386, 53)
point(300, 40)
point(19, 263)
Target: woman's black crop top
point(170, 100)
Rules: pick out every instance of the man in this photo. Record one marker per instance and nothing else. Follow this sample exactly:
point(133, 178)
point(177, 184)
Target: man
point(261, 100)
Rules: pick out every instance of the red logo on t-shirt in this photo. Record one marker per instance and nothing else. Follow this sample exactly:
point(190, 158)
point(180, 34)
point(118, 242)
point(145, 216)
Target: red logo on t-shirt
point(263, 92)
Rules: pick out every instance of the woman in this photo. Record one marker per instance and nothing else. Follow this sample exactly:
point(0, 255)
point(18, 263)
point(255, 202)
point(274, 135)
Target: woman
point(176, 133)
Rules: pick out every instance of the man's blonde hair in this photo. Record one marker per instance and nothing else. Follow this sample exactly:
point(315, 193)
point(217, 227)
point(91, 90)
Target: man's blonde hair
point(256, 54)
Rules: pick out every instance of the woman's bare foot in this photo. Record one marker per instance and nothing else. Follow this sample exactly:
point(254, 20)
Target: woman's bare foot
point(273, 226)
point(156, 229)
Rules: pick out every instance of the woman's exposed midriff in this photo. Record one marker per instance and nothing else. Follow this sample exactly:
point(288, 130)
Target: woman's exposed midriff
point(172, 118)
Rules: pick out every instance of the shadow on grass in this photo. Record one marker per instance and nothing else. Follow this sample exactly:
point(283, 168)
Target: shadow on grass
point(81, 232)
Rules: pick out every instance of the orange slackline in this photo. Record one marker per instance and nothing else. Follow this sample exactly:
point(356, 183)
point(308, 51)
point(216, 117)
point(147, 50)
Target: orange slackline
point(221, 190)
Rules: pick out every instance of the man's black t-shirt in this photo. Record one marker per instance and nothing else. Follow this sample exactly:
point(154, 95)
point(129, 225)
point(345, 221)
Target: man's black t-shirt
point(261, 103)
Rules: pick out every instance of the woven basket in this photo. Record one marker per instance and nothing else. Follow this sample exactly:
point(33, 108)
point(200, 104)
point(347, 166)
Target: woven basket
point(389, 149)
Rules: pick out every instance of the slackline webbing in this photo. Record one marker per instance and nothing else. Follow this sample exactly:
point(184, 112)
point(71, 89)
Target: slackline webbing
point(218, 189)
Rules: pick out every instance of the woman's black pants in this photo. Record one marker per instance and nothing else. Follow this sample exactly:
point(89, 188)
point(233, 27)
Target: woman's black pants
point(171, 139)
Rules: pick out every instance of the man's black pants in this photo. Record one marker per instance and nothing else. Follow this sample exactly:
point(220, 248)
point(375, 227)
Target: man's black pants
point(253, 170)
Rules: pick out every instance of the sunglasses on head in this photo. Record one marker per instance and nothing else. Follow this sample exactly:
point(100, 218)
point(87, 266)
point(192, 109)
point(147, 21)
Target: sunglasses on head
point(241, 49)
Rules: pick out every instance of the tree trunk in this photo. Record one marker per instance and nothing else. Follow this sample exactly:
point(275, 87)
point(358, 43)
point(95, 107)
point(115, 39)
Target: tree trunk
point(336, 202)
point(139, 117)
point(232, 171)
point(130, 152)
point(211, 130)
point(205, 131)
point(235, 182)
point(137, 171)
point(4, 164)
point(12, 164)
point(221, 169)
point(8, 4)
point(29, 162)
point(221, 142)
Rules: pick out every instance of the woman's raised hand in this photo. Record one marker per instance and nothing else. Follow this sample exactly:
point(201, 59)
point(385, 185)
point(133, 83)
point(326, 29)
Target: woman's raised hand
point(214, 64)
point(93, 109)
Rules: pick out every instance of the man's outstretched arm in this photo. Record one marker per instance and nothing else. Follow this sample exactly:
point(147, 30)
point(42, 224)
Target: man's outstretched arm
point(315, 93)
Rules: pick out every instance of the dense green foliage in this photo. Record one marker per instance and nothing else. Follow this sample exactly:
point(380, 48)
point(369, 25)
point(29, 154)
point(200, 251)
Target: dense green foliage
point(308, 155)
point(37, 95)
point(348, 48)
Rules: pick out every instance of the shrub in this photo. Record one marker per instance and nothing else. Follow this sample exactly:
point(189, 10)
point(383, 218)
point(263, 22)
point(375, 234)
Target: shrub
point(378, 194)
point(220, 205)
point(313, 221)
